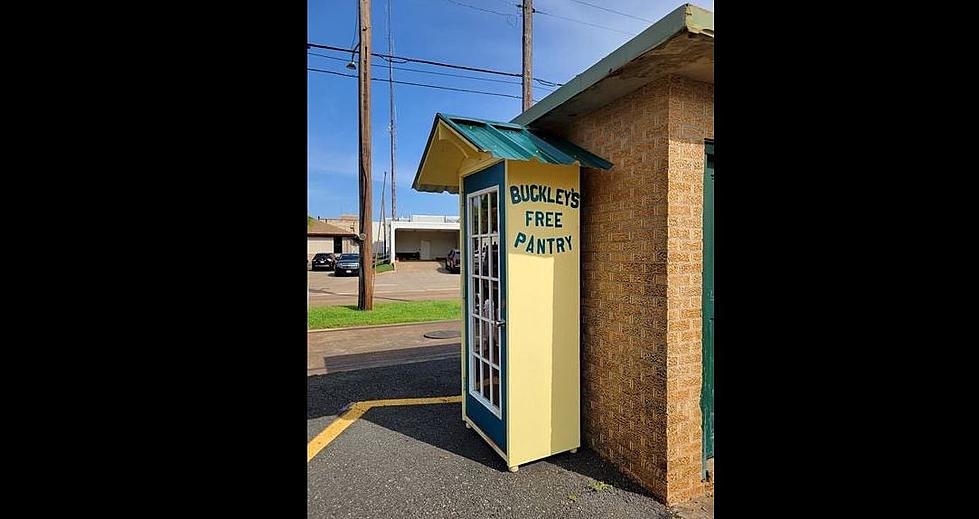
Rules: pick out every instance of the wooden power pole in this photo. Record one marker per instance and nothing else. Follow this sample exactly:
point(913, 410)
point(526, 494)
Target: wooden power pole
point(528, 65)
point(365, 294)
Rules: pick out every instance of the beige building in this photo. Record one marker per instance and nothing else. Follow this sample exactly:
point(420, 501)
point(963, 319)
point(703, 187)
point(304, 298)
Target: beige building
point(323, 236)
point(349, 222)
point(416, 237)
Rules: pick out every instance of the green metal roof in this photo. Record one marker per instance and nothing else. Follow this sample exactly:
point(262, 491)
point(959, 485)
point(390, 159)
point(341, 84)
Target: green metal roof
point(505, 141)
point(516, 142)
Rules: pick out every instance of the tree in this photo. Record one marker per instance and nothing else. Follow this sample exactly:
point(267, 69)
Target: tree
point(309, 222)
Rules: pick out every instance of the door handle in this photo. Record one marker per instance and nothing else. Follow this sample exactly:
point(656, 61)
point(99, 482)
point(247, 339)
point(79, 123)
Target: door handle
point(501, 322)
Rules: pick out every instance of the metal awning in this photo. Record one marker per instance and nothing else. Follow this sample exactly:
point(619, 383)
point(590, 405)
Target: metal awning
point(495, 139)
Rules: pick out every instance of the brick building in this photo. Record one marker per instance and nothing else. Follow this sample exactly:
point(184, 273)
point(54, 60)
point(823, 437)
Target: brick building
point(640, 125)
point(646, 346)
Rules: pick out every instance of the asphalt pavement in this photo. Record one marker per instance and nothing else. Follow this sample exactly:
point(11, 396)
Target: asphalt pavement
point(421, 461)
point(410, 281)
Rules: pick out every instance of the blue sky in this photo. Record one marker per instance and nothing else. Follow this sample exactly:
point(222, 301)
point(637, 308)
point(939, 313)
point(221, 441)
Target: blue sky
point(439, 30)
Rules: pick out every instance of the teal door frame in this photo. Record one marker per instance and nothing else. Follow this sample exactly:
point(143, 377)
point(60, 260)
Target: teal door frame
point(491, 424)
point(707, 308)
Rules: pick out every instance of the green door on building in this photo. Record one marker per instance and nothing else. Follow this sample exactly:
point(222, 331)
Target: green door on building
point(707, 305)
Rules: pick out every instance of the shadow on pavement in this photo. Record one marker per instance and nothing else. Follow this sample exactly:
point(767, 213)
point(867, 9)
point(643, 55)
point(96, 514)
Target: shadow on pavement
point(588, 463)
point(378, 359)
point(438, 425)
point(441, 426)
point(327, 394)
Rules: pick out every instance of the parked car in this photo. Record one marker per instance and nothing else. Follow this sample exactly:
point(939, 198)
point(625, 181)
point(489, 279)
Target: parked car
point(324, 260)
point(452, 261)
point(348, 264)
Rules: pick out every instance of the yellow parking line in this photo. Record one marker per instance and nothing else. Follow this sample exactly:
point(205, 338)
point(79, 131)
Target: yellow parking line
point(333, 430)
point(357, 410)
point(414, 401)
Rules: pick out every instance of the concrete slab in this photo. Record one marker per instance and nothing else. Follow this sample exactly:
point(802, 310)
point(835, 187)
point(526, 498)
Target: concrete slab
point(697, 508)
point(342, 347)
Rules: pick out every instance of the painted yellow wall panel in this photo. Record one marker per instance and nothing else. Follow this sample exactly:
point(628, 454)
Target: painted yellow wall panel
point(543, 324)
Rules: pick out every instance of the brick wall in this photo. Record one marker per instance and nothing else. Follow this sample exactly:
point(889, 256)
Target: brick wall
point(641, 282)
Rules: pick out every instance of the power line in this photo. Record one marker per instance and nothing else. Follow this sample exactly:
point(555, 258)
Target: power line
point(436, 63)
point(613, 11)
point(406, 69)
point(508, 16)
point(427, 62)
point(538, 11)
point(417, 84)
point(353, 39)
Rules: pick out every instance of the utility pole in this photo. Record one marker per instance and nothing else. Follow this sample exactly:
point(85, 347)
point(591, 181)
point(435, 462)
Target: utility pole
point(528, 64)
point(380, 215)
point(394, 183)
point(365, 294)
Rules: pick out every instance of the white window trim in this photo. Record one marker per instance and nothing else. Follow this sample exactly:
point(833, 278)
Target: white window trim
point(470, 350)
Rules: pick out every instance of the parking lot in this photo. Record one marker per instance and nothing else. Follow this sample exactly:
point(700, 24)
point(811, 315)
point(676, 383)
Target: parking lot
point(397, 454)
point(421, 461)
point(410, 281)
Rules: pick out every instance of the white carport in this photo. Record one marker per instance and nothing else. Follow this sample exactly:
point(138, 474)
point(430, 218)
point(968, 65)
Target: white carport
point(424, 237)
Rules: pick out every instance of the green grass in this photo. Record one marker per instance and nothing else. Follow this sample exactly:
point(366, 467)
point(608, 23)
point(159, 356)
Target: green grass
point(384, 267)
point(600, 486)
point(388, 313)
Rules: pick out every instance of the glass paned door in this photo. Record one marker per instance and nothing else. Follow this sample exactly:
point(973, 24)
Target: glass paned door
point(484, 308)
point(484, 284)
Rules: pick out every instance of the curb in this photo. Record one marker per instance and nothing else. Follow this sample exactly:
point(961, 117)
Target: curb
point(318, 330)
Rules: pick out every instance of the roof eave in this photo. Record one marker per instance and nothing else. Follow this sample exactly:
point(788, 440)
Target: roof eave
point(494, 142)
point(438, 188)
point(686, 18)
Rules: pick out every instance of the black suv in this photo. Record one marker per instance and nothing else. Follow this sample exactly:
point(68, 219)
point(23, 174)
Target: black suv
point(452, 261)
point(324, 260)
point(348, 264)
